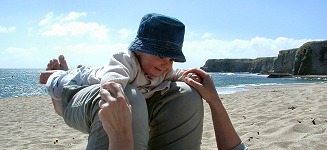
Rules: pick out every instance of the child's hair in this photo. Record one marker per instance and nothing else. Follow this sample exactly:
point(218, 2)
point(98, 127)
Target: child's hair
point(161, 36)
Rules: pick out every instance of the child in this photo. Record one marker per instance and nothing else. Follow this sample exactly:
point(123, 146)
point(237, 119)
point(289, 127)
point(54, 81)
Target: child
point(147, 66)
point(144, 73)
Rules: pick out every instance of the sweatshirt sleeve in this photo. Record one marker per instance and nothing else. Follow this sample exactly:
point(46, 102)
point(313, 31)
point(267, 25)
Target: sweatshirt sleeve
point(120, 70)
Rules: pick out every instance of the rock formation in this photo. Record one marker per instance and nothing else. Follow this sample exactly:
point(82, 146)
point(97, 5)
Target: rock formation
point(227, 65)
point(258, 65)
point(262, 65)
point(284, 62)
point(309, 59)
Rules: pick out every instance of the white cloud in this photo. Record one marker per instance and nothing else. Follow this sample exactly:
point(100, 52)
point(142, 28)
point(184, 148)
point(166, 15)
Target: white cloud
point(74, 15)
point(7, 29)
point(78, 28)
point(68, 26)
point(90, 54)
point(207, 35)
point(48, 18)
point(124, 33)
point(21, 52)
point(85, 48)
point(19, 57)
point(82, 53)
point(190, 35)
point(197, 52)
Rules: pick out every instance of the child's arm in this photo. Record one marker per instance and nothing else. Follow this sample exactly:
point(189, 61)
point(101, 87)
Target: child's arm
point(121, 69)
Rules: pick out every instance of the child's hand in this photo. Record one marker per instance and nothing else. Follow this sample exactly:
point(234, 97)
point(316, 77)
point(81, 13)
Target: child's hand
point(194, 77)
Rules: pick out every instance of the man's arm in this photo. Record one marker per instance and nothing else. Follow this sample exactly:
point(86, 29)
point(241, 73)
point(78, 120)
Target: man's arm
point(226, 136)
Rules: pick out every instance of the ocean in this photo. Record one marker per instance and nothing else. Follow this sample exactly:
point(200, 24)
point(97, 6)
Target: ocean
point(20, 82)
point(24, 82)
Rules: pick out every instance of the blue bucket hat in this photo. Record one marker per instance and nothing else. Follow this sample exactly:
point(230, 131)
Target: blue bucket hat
point(161, 36)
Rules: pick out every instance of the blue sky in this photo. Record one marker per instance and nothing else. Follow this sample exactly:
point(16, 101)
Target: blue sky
point(88, 32)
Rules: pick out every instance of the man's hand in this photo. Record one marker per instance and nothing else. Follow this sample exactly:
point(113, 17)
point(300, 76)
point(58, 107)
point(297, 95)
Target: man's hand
point(116, 117)
point(205, 86)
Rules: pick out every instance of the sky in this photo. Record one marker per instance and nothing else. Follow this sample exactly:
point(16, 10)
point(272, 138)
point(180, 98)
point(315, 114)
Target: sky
point(88, 32)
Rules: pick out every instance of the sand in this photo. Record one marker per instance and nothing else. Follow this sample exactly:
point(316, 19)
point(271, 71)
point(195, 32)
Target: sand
point(271, 117)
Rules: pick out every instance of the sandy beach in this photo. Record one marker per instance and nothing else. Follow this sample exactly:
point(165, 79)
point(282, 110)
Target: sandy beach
point(270, 117)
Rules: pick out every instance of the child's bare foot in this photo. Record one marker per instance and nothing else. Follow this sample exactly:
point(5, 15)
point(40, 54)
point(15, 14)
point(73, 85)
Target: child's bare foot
point(62, 63)
point(53, 66)
point(58, 64)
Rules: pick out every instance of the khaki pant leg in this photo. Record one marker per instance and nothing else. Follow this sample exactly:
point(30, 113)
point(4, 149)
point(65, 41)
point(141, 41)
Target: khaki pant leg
point(139, 118)
point(176, 118)
point(81, 112)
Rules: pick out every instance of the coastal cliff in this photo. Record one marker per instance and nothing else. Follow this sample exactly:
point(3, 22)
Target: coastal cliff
point(227, 65)
point(309, 59)
point(258, 65)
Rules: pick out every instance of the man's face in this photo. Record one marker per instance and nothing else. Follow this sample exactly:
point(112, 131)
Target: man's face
point(154, 66)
